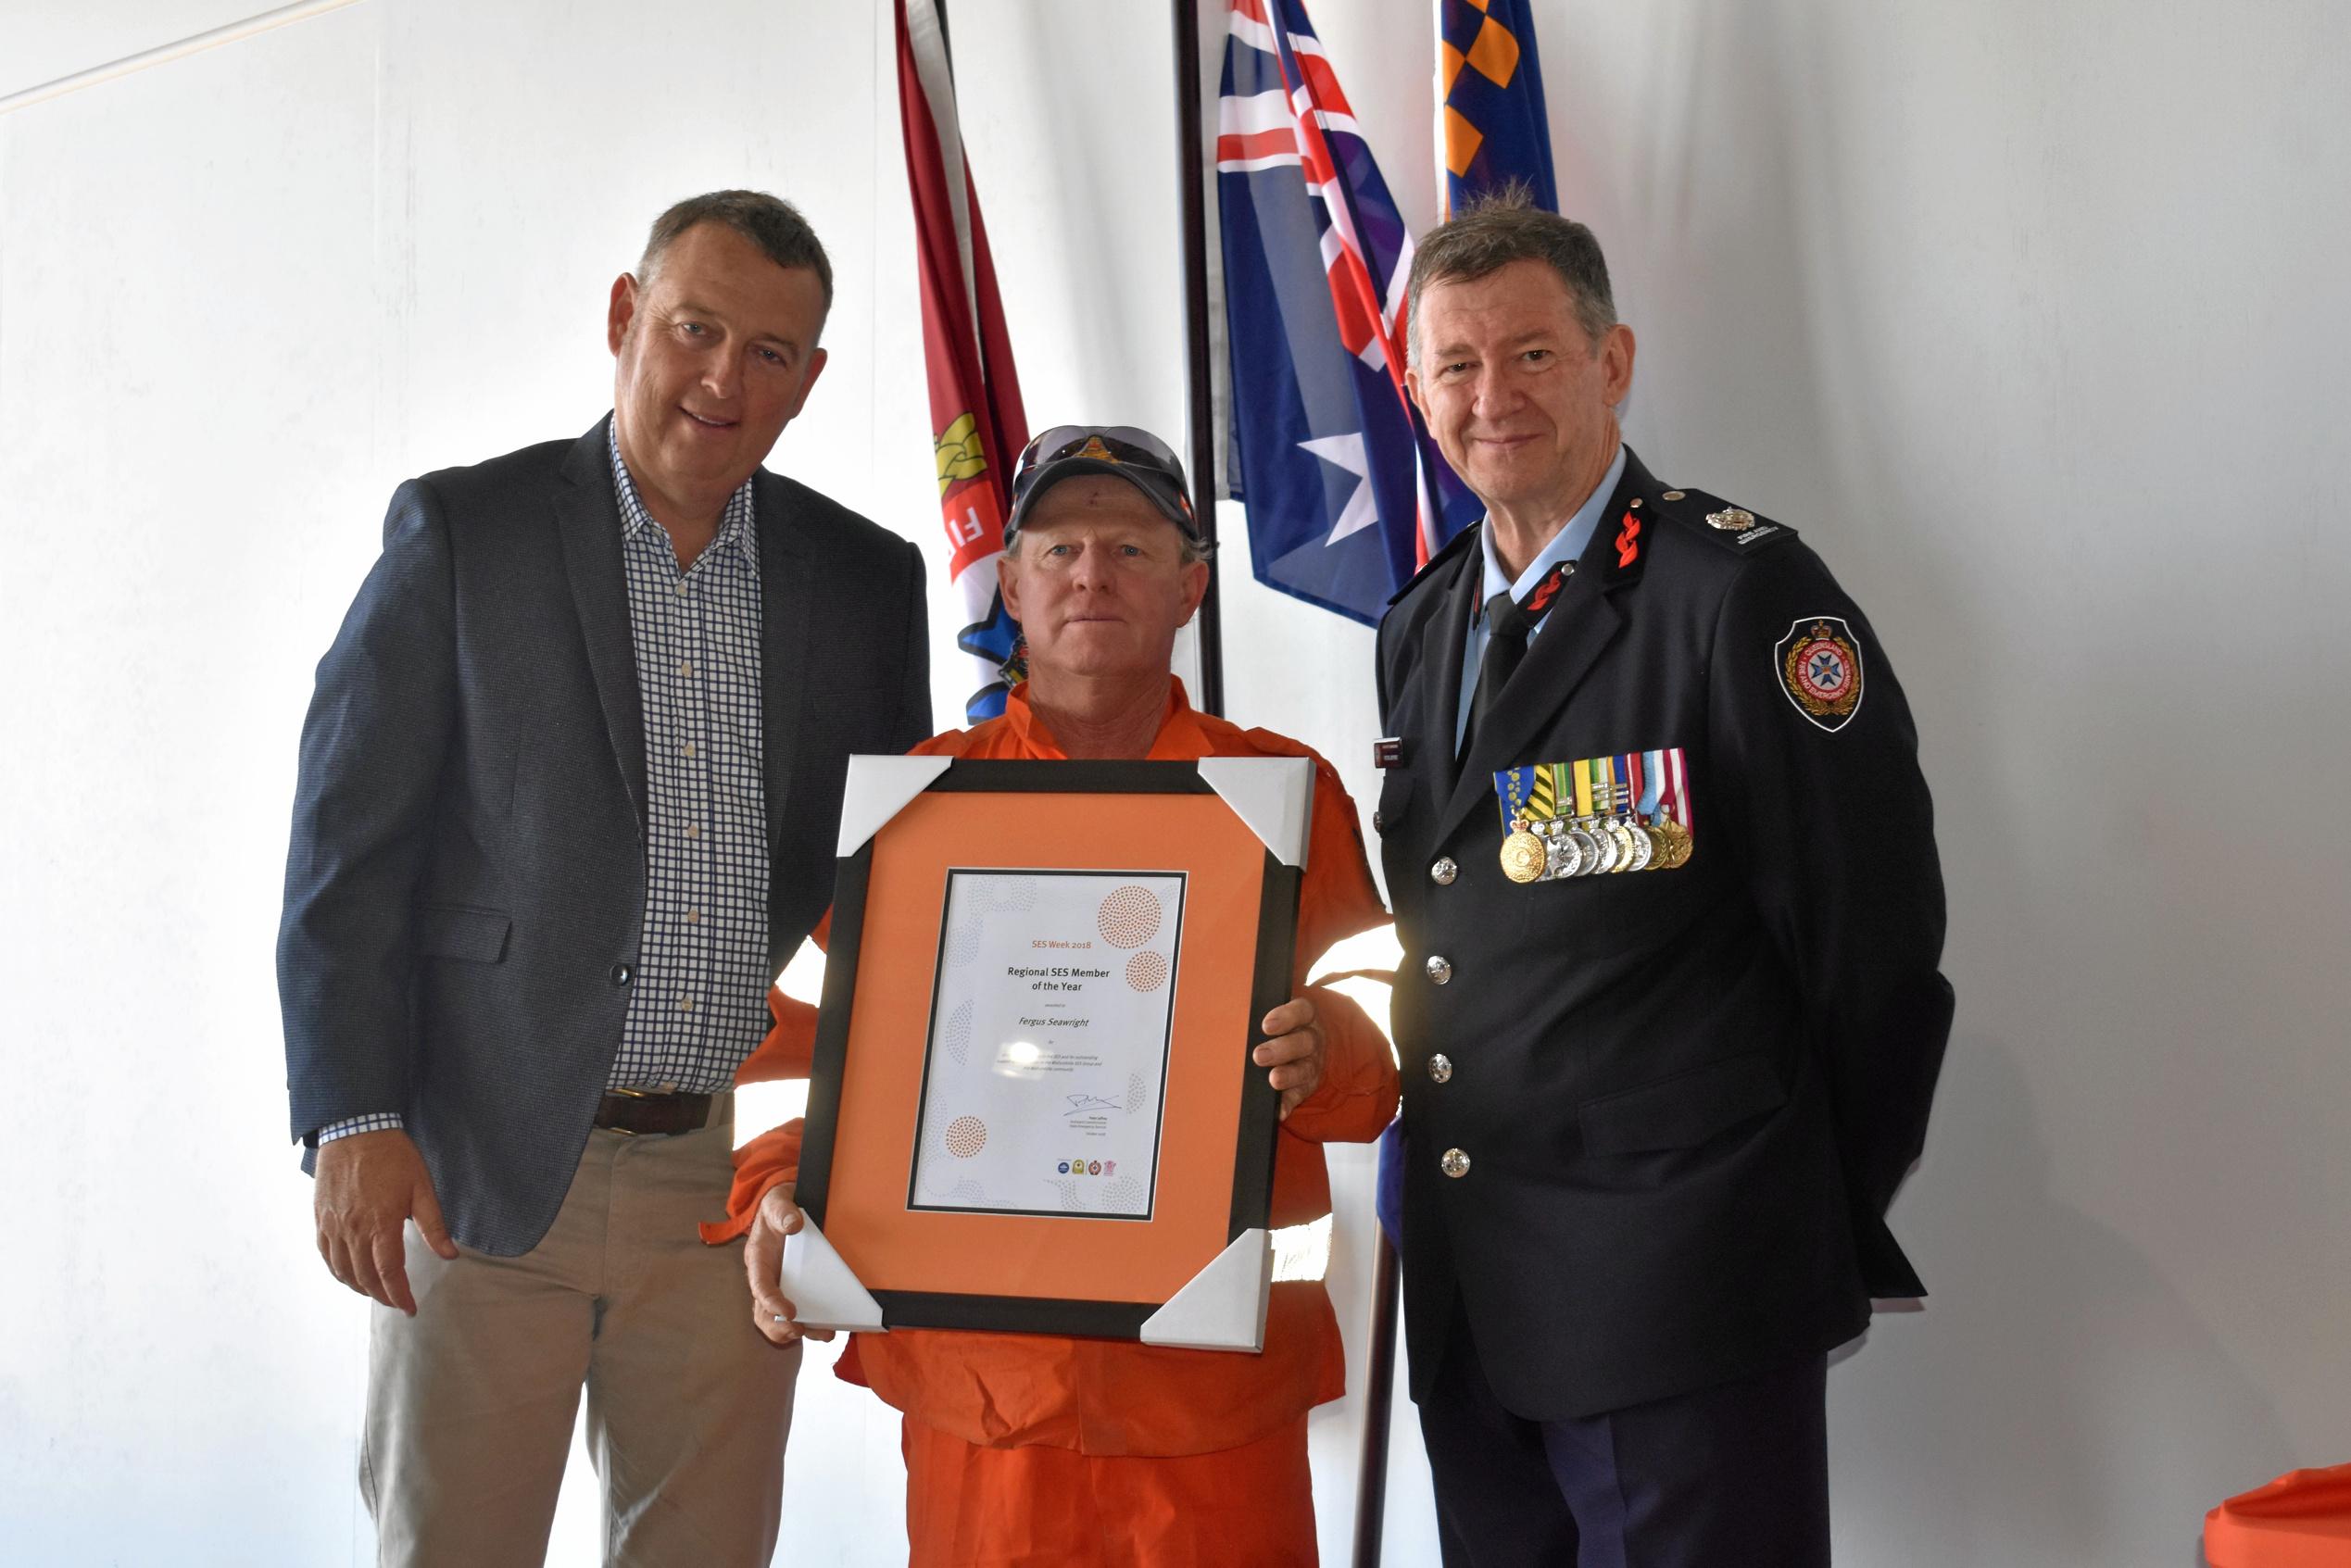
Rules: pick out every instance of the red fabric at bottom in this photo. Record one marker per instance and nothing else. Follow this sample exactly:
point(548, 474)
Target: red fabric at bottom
point(1043, 1507)
point(2300, 1520)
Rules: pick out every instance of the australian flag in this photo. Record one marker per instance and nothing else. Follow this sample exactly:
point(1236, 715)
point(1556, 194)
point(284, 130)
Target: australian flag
point(1347, 497)
point(1495, 128)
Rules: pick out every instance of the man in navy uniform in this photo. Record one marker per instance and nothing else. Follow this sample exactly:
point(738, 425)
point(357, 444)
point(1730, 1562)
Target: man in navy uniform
point(1665, 874)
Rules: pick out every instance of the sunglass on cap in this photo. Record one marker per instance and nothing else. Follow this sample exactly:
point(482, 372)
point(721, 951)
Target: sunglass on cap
point(1136, 455)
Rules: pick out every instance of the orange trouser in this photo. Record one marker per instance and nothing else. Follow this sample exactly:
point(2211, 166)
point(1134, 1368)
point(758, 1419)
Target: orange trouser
point(967, 1507)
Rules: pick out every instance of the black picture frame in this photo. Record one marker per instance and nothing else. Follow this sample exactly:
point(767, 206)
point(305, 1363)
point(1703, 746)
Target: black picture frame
point(1252, 1167)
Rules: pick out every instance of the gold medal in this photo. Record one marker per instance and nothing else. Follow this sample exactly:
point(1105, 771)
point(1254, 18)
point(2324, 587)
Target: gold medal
point(1673, 841)
point(1523, 855)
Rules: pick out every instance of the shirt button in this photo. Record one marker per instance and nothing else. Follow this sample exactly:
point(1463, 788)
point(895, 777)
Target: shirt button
point(1443, 871)
point(693, 830)
point(1440, 968)
point(622, 974)
point(1454, 1163)
point(686, 667)
point(689, 748)
point(693, 917)
point(1441, 1068)
point(685, 1004)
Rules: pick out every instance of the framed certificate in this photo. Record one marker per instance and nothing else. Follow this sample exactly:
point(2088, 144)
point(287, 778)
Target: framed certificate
point(1032, 1107)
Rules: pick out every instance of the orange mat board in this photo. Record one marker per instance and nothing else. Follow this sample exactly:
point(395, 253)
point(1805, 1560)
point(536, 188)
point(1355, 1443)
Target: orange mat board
point(2300, 1520)
point(893, 1248)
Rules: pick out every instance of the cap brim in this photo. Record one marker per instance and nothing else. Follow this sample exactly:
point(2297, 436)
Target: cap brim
point(1054, 473)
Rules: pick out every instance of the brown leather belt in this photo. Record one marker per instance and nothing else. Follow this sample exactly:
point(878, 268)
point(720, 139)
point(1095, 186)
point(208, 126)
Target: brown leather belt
point(633, 1110)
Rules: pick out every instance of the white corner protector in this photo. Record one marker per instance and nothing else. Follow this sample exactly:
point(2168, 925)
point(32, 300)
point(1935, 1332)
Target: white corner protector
point(1274, 795)
point(1222, 1307)
point(820, 1286)
point(878, 789)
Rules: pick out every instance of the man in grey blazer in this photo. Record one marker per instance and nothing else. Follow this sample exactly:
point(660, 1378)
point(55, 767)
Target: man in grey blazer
point(569, 788)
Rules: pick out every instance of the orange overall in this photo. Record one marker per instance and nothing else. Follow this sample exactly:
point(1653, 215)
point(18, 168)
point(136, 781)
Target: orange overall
point(1047, 1451)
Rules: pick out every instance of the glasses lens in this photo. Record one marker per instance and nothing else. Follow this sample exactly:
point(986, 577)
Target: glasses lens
point(1125, 443)
point(1149, 447)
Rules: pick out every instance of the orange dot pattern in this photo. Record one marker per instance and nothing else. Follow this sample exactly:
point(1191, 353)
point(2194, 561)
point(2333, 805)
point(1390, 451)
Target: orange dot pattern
point(1129, 916)
point(1147, 971)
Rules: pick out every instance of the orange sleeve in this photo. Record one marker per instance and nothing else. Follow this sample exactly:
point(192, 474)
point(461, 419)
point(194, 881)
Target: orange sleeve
point(790, 1044)
point(1338, 899)
point(767, 1161)
point(1356, 1098)
point(772, 1158)
point(788, 1051)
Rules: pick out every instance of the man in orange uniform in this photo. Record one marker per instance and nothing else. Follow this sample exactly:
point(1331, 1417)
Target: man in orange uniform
point(1047, 1451)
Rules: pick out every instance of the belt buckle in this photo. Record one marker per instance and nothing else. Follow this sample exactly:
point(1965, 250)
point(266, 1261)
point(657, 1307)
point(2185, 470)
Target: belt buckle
point(627, 1094)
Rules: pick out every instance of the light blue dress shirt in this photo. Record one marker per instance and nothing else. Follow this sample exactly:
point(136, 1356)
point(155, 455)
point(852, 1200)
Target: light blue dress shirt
point(1566, 545)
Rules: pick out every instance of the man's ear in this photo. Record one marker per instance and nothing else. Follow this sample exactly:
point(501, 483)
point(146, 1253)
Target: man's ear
point(1616, 353)
point(1008, 581)
point(622, 312)
point(1195, 590)
point(816, 363)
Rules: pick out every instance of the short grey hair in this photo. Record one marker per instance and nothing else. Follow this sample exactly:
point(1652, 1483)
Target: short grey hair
point(770, 222)
point(1501, 228)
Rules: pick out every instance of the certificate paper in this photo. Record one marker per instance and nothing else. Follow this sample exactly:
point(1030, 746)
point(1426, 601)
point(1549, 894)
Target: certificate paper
point(1045, 1075)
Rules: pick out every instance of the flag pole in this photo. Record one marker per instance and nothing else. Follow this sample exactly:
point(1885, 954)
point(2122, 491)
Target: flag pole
point(1200, 408)
point(1379, 1398)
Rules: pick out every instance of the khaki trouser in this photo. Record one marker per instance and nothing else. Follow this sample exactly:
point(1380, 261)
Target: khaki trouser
point(471, 1403)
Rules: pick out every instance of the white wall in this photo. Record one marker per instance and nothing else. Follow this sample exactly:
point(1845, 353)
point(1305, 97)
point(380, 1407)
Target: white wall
point(2030, 315)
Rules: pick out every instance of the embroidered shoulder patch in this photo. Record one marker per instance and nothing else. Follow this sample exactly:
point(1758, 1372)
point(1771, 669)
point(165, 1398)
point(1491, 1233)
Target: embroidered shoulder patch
point(1819, 662)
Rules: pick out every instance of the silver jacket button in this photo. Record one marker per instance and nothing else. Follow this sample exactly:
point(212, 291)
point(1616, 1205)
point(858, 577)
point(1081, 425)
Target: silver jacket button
point(1443, 873)
point(1441, 1066)
point(1454, 1163)
point(1440, 969)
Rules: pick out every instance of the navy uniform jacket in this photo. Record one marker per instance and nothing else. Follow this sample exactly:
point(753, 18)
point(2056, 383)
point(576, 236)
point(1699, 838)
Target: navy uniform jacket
point(465, 884)
point(1684, 1096)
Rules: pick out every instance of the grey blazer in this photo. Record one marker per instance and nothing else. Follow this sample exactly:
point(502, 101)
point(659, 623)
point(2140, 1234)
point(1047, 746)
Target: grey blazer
point(466, 883)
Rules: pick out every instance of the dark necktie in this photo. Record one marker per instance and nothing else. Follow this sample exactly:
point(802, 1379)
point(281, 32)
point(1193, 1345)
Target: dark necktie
point(1508, 624)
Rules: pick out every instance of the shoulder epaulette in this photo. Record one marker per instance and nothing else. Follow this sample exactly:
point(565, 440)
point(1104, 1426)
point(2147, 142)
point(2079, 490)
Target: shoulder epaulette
point(1735, 529)
point(1453, 546)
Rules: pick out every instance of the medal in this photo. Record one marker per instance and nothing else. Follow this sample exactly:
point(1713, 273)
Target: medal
point(1524, 856)
point(1596, 833)
point(1597, 817)
point(1640, 849)
point(1609, 798)
point(1673, 840)
point(1568, 849)
point(1676, 824)
point(1526, 795)
point(1591, 810)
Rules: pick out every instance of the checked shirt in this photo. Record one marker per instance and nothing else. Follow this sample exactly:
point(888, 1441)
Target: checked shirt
point(699, 1004)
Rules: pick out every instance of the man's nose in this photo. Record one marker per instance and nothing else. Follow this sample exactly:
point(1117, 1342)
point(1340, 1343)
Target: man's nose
point(1493, 394)
point(721, 374)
